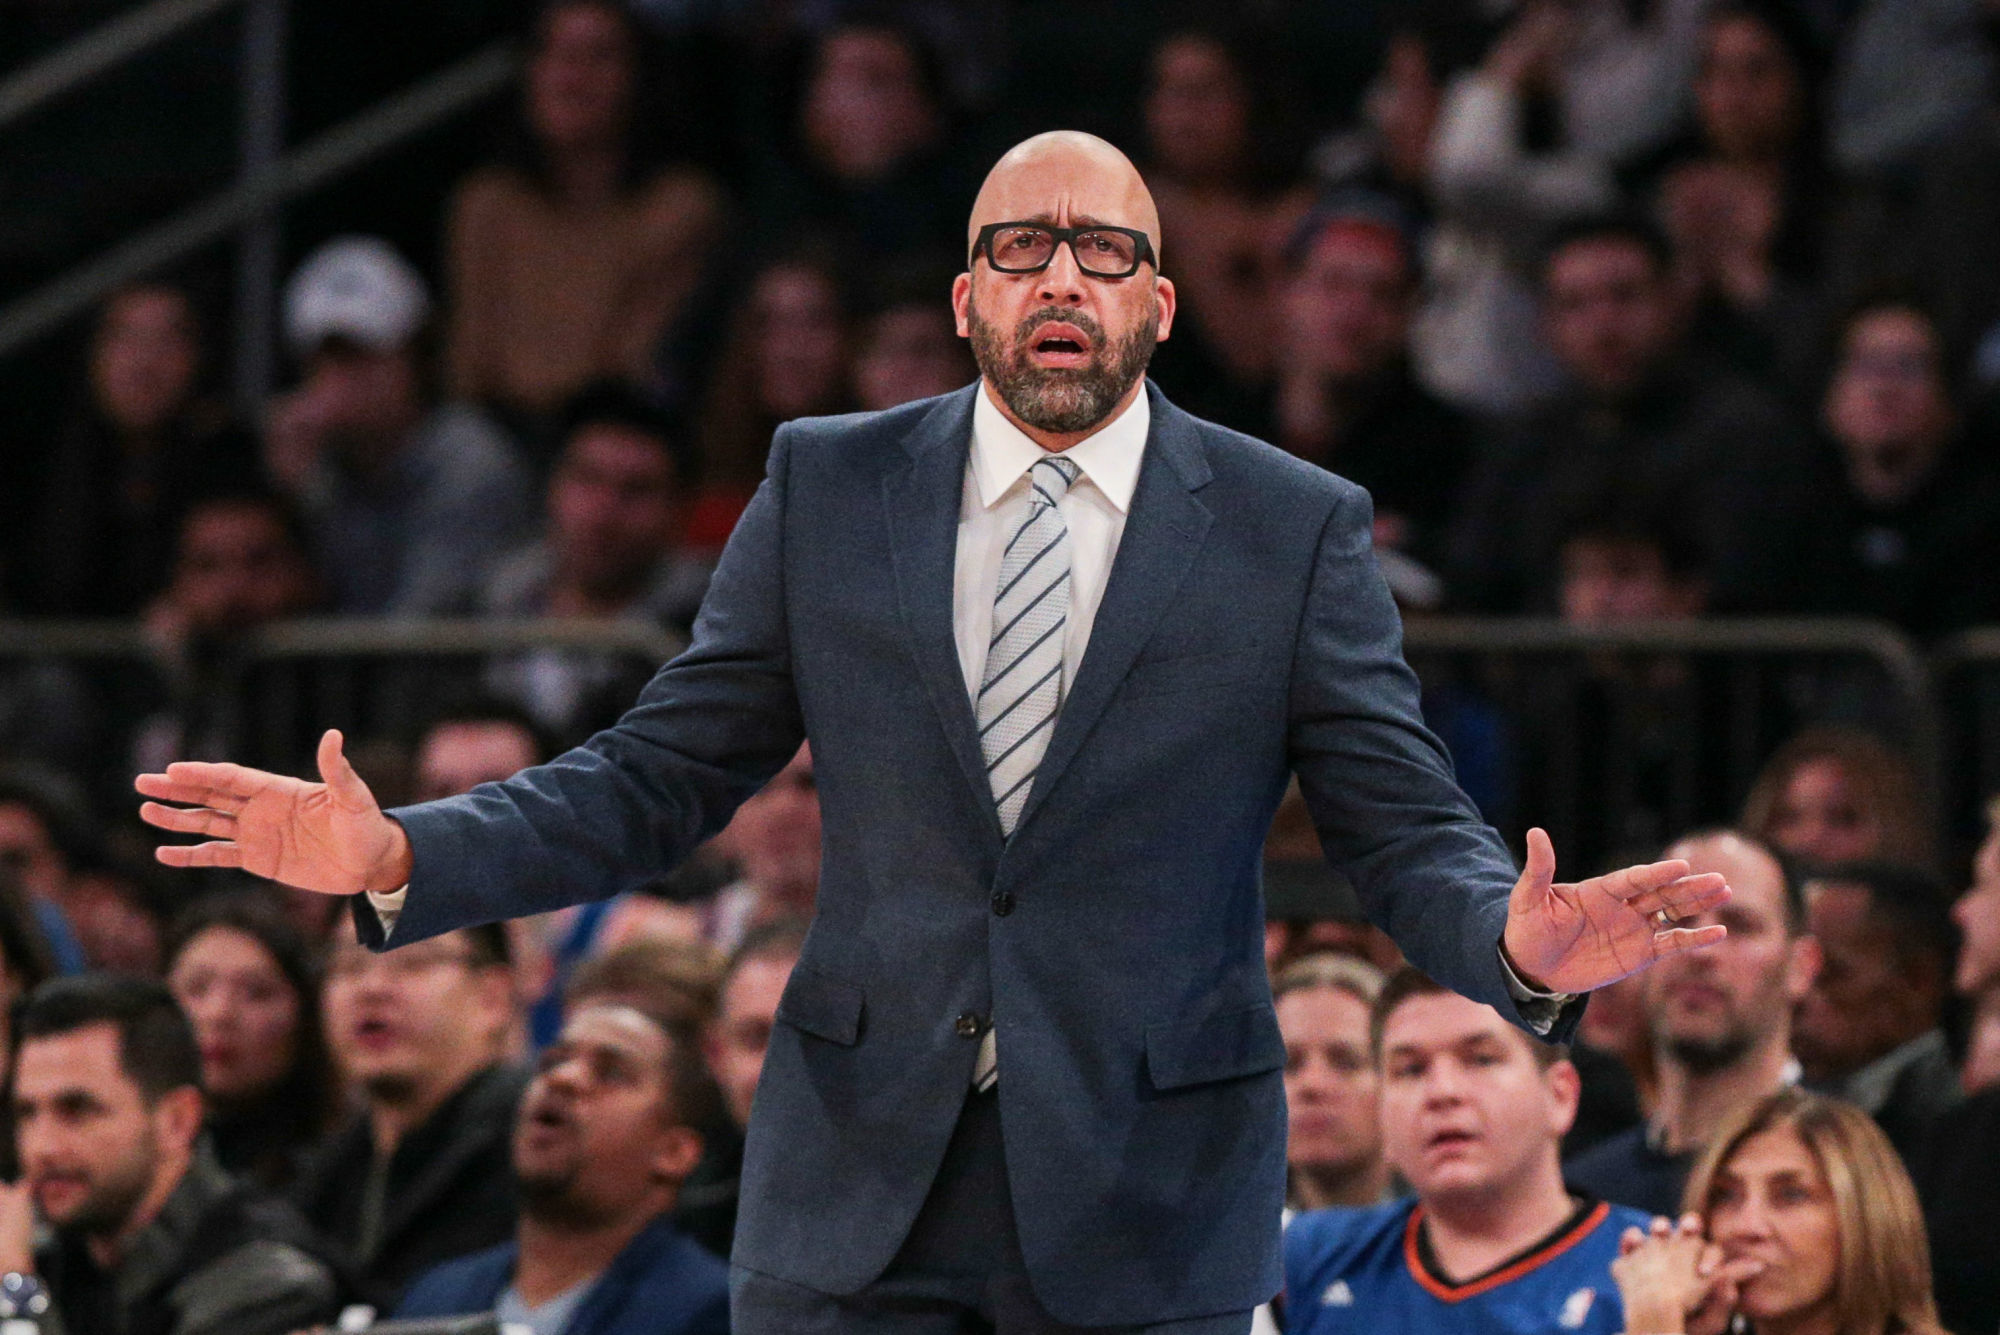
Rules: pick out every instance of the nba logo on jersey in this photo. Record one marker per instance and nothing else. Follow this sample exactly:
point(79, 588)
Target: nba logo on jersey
point(1337, 1295)
point(1577, 1310)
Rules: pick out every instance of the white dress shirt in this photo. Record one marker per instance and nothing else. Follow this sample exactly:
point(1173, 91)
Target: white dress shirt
point(993, 506)
point(995, 501)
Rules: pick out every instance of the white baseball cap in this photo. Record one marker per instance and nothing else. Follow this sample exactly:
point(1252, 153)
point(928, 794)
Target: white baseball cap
point(355, 288)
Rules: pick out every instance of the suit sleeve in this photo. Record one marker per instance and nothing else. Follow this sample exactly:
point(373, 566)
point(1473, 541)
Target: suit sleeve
point(626, 807)
point(1428, 870)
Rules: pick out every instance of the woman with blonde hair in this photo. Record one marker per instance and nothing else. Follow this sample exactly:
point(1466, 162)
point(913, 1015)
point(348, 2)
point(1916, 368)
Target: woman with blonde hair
point(1801, 1221)
point(1839, 794)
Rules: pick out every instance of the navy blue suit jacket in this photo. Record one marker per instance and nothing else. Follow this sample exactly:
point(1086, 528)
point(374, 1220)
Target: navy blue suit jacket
point(1116, 939)
point(660, 1284)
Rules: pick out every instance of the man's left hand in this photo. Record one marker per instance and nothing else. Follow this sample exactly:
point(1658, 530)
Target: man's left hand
point(1572, 938)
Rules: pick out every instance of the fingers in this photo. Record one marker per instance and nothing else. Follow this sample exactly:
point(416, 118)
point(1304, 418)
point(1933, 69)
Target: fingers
point(167, 789)
point(1676, 939)
point(213, 854)
point(188, 820)
point(1684, 898)
point(339, 776)
point(1539, 873)
point(1632, 881)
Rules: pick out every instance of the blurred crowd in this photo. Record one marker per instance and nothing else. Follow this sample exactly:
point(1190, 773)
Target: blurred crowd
point(1623, 310)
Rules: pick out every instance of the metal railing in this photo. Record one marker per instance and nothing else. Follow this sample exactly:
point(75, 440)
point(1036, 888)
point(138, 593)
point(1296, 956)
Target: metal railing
point(268, 177)
point(1617, 738)
point(1612, 738)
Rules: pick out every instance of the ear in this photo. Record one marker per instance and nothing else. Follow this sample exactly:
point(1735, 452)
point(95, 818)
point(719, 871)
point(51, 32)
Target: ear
point(679, 1150)
point(177, 1117)
point(1164, 299)
point(961, 304)
point(1565, 1088)
point(1802, 967)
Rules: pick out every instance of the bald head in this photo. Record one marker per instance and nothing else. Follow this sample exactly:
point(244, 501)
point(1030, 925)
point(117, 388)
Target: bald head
point(1069, 178)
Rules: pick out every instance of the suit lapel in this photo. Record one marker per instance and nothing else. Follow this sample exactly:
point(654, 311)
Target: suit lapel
point(1163, 531)
point(922, 501)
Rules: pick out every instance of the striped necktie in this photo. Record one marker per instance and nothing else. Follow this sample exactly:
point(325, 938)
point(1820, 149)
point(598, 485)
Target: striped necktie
point(1023, 685)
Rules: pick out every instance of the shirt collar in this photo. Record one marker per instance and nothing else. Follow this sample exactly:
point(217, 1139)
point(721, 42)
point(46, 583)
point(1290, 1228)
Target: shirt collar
point(1109, 457)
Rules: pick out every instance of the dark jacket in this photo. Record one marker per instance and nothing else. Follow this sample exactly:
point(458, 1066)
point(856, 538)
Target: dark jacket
point(220, 1259)
point(661, 1284)
point(450, 1187)
point(1955, 1181)
point(1115, 940)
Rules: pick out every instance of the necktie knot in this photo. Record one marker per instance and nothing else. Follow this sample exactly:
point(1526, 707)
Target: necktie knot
point(1052, 477)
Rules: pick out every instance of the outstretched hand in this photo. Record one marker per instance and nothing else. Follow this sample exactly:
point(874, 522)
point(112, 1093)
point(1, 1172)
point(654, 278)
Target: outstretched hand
point(1572, 938)
point(329, 836)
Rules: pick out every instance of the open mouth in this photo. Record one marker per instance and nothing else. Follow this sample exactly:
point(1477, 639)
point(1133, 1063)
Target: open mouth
point(1447, 1141)
point(1060, 345)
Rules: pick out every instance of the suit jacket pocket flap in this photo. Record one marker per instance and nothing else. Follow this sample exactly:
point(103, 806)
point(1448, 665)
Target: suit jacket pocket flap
point(1221, 1047)
point(1190, 672)
point(822, 1005)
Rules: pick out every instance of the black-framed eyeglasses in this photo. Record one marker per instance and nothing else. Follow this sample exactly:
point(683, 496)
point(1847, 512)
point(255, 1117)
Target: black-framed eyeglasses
point(1030, 247)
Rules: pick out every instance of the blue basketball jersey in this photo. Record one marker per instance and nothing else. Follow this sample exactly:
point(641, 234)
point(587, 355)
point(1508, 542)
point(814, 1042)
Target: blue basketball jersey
point(1364, 1271)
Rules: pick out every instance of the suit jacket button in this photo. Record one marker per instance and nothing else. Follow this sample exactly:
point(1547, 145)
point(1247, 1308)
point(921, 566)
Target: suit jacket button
point(1003, 903)
point(968, 1025)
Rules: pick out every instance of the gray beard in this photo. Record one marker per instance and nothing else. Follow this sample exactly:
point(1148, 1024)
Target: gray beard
point(1062, 400)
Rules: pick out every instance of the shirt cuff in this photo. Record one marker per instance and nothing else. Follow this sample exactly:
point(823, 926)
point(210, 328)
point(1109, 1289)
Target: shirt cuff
point(1540, 1010)
point(389, 907)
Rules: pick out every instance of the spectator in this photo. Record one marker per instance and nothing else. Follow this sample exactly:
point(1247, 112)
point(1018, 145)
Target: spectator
point(773, 841)
point(1721, 1022)
point(145, 444)
point(1602, 82)
point(483, 739)
point(613, 549)
point(906, 347)
point(1803, 1219)
point(675, 980)
point(1389, 151)
point(44, 840)
point(25, 961)
point(1223, 178)
point(733, 1044)
point(1473, 1112)
point(475, 741)
point(240, 561)
point(1641, 417)
point(869, 163)
point(1880, 115)
point(1905, 529)
point(1868, 1031)
point(1977, 977)
point(1747, 199)
point(607, 1133)
point(1837, 794)
point(1332, 1089)
point(148, 1232)
point(1344, 396)
point(401, 496)
point(1615, 754)
point(571, 258)
point(1955, 1178)
point(422, 1174)
point(250, 987)
point(785, 355)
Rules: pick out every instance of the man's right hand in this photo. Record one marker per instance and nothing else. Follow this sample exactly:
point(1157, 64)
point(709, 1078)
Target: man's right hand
point(329, 836)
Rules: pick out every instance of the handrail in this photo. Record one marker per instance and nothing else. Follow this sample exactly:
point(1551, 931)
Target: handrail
point(346, 146)
point(310, 637)
point(109, 45)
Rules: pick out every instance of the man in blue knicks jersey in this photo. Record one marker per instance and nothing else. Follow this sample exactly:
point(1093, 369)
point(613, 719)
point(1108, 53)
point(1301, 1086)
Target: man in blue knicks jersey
point(1473, 1114)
